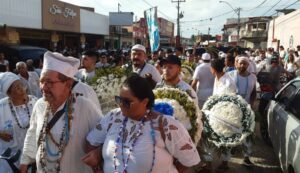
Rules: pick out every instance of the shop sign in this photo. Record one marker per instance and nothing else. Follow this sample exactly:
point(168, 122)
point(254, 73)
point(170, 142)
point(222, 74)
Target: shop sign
point(67, 12)
point(61, 16)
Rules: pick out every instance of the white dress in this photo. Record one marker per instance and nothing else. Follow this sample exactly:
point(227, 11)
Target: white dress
point(85, 117)
point(177, 144)
point(224, 85)
point(7, 119)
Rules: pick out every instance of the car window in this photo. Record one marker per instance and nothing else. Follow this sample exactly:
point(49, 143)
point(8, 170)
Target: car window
point(287, 94)
point(295, 105)
point(31, 54)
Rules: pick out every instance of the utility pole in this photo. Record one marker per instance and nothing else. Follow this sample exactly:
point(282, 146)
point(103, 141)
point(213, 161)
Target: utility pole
point(238, 12)
point(119, 5)
point(120, 39)
point(179, 15)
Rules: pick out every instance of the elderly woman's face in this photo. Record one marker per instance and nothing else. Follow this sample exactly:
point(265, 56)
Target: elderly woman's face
point(16, 89)
point(130, 105)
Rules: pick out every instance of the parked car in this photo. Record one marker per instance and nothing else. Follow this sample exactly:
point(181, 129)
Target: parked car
point(16, 53)
point(284, 126)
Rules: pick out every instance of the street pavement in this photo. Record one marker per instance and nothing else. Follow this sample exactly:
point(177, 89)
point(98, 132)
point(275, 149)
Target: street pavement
point(263, 158)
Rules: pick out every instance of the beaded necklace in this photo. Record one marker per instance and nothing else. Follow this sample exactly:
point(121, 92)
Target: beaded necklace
point(14, 113)
point(139, 132)
point(63, 141)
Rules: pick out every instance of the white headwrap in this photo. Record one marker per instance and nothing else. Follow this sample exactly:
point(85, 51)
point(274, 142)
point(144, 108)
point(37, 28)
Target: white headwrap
point(6, 80)
point(67, 66)
point(243, 58)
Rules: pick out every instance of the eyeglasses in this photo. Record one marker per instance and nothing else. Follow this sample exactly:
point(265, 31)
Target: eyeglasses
point(49, 84)
point(124, 101)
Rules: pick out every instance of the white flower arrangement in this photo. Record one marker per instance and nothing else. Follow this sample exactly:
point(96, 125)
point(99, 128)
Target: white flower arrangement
point(107, 84)
point(187, 73)
point(228, 120)
point(186, 109)
point(179, 112)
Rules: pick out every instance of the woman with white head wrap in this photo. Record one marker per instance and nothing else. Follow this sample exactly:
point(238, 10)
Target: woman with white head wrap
point(15, 111)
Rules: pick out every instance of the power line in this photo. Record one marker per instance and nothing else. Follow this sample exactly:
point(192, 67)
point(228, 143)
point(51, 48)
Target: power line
point(210, 18)
point(272, 7)
point(291, 4)
point(287, 6)
point(257, 6)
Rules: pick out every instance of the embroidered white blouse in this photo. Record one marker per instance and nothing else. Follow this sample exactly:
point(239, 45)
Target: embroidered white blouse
point(177, 144)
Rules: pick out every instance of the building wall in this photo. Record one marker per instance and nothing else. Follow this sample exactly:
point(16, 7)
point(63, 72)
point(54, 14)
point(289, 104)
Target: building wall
point(93, 23)
point(286, 30)
point(21, 13)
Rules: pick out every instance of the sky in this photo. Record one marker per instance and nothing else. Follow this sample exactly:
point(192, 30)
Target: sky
point(199, 15)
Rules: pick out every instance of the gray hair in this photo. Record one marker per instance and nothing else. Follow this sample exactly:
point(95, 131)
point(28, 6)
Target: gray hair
point(21, 64)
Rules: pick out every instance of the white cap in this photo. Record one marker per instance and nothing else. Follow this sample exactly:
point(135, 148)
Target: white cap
point(205, 56)
point(223, 55)
point(6, 80)
point(67, 66)
point(139, 47)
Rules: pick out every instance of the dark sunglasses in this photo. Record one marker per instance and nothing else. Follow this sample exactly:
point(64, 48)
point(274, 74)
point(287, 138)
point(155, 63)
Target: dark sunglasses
point(124, 101)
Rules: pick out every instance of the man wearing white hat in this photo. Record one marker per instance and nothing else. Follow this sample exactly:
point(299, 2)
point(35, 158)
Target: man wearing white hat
point(244, 80)
point(203, 80)
point(139, 65)
point(60, 120)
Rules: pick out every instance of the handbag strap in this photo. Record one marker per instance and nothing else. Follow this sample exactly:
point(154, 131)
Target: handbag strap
point(55, 118)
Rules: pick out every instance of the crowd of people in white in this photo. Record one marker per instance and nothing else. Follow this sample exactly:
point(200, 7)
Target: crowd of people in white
point(54, 118)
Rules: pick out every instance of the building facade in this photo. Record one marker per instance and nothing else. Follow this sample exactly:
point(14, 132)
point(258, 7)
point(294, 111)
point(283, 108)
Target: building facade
point(51, 24)
point(284, 30)
point(253, 32)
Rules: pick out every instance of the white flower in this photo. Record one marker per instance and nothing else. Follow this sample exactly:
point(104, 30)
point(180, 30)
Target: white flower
point(179, 112)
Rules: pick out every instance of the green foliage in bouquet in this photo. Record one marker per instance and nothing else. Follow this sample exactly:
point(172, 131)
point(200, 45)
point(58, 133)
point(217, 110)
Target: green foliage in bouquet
point(185, 101)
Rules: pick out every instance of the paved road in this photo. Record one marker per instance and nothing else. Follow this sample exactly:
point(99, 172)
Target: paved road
point(264, 159)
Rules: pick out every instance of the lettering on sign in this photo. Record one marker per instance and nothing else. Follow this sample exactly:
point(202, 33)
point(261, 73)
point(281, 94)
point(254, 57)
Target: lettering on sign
point(67, 12)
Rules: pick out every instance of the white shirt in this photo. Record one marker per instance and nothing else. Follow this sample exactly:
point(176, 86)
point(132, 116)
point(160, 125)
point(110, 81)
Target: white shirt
point(177, 144)
point(224, 85)
point(83, 75)
point(205, 82)
point(85, 117)
point(87, 92)
point(245, 85)
point(148, 68)
point(100, 64)
point(7, 118)
point(32, 84)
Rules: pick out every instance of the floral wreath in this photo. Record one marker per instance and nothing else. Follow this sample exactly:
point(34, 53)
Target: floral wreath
point(107, 83)
point(187, 73)
point(228, 120)
point(177, 103)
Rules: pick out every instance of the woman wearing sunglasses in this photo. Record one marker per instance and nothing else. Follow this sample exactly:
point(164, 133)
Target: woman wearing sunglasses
point(134, 139)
